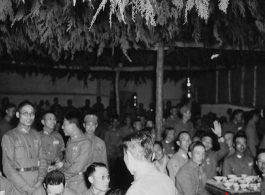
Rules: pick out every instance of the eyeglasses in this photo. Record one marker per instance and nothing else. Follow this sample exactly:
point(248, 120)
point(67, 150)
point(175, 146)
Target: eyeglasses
point(25, 114)
point(104, 177)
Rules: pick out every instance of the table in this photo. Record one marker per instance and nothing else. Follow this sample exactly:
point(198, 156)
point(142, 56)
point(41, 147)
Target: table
point(218, 189)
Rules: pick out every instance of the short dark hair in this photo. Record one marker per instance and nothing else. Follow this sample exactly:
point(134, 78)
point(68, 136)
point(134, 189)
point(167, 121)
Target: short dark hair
point(194, 145)
point(92, 168)
point(240, 134)
point(260, 151)
point(169, 129)
point(54, 177)
point(159, 143)
point(74, 117)
point(136, 120)
point(230, 132)
point(10, 105)
point(236, 112)
point(48, 112)
point(180, 133)
point(140, 144)
point(24, 103)
point(208, 134)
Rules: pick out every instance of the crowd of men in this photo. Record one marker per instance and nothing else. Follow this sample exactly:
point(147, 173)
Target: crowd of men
point(192, 150)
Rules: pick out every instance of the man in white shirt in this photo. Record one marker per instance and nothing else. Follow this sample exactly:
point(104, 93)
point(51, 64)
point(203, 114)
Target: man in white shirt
point(138, 151)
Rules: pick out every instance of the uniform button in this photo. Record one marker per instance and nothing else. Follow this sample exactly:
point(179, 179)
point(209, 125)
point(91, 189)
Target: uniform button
point(31, 157)
point(30, 146)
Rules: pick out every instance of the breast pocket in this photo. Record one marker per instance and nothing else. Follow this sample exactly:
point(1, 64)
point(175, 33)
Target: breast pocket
point(20, 152)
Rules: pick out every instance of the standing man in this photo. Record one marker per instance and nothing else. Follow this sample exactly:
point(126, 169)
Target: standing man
point(181, 157)
point(236, 124)
point(252, 135)
point(98, 145)
point(184, 124)
point(52, 141)
point(191, 179)
point(24, 161)
point(138, 150)
point(78, 155)
point(6, 124)
point(173, 119)
point(212, 158)
point(6, 186)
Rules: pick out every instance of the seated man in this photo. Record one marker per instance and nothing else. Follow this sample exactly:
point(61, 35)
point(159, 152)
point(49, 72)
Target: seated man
point(241, 162)
point(212, 158)
point(6, 186)
point(138, 150)
point(54, 183)
point(191, 179)
point(261, 165)
point(181, 157)
point(161, 159)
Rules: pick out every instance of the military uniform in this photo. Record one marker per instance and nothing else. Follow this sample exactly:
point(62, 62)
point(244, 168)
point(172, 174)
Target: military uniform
point(232, 127)
point(124, 131)
point(252, 136)
point(191, 179)
point(24, 161)
point(41, 191)
point(181, 126)
point(78, 157)
point(262, 187)
point(237, 164)
point(98, 149)
point(53, 145)
point(168, 148)
point(210, 162)
point(172, 121)
point(176, 162)
point(112, 139)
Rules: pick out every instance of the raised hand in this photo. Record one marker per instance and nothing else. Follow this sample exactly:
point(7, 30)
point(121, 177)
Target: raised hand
point(217, 128)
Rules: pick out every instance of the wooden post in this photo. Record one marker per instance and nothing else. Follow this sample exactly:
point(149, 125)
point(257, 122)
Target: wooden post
point(159, 90)
point(216, 87)
point(117, 93)
point(229, 86)
point(255, 86)
point(242, 85)
point(98, 87)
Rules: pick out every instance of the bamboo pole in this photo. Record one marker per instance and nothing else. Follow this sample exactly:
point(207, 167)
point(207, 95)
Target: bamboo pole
point(255, 86)
point(159, 90)
point(229, 86)
point(117, 94)
point(242, 85)
point(216, 86)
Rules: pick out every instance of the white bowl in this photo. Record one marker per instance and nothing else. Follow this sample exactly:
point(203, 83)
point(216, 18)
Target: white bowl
point(244, 186)
point(227, 185)
point(219, 178)
point(231, 176)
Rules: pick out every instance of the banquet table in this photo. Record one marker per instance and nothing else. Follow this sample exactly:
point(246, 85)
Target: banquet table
point(217, 188)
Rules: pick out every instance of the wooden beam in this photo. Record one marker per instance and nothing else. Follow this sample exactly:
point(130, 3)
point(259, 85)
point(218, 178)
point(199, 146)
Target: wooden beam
point(255, 86)
point(229, 86)
point(159, 91)
point(139, 68)
point(242, 95)
point(216, 86)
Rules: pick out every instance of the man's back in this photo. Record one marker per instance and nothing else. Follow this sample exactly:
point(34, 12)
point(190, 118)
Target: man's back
point(151, 182)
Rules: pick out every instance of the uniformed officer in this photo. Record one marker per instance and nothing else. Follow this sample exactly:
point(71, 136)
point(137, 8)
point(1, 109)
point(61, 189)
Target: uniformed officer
point(52, 141)
point(98, 145)
point(78, 155)
point(261, 165)
point(6, 186)
point(24, 161)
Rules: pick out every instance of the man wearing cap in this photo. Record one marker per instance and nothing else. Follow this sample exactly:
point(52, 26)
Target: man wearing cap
point(52, 141)
point(98, 145)
point(184, 124)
